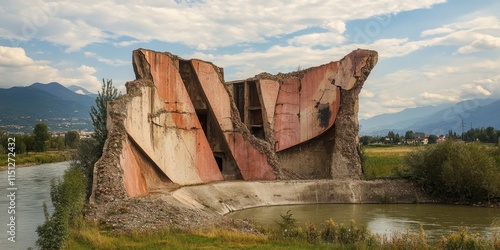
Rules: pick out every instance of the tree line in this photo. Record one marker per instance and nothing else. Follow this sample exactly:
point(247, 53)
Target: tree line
point(485, 135)
point(40, 140)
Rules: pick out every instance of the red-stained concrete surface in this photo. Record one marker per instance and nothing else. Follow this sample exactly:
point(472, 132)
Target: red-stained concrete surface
point(269, 90)
point(133, 179)
point(319, 101)
point(180, 116)
point(286, 119)
point(306, 106)
point(252, 163)
point(172, 91)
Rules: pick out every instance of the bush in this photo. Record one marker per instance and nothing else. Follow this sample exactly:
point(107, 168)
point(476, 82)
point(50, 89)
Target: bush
point(84, 157)
point(287, 224)
point(456, 170)
point(68, 197)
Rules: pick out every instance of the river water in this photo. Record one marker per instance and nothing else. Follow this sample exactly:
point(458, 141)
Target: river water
point(33, 188)
point(385, 219)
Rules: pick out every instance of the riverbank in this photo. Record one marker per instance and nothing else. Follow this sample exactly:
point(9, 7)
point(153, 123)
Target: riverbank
point(284, 235)
point(35, 158)
point(202, 206)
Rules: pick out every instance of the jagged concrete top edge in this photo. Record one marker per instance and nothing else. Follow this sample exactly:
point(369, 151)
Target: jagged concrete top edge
point(265, 75)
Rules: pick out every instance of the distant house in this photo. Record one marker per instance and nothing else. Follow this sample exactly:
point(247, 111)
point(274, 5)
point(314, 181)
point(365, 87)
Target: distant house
point(418, 141)
point(422, 141)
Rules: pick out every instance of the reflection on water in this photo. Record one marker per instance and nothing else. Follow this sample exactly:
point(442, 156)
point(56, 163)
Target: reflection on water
point(384, 219)
point(33, 188)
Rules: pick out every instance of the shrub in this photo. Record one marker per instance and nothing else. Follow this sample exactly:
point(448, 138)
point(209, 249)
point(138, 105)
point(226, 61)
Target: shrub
point(311, 233)
point(68, 197)
point(84, 157)
point(456, 170)
point(287, 224)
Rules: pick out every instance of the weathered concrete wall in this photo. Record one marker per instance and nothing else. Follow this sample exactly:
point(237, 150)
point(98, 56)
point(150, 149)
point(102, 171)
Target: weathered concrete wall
point(225, 197)
point(354, 69)
point(178, 124)
point(252, 162)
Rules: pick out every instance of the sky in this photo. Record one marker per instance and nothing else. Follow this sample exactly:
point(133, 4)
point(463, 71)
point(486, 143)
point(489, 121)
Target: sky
point(430, 51)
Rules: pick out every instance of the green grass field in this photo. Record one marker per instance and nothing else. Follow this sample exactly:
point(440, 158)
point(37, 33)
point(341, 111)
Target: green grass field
point(384, 162)
point(35, 158)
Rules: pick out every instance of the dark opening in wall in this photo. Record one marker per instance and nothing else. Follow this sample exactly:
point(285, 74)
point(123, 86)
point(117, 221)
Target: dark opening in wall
point(255, 121)
point(239, 98)
point(203, 118)
point(220, 162)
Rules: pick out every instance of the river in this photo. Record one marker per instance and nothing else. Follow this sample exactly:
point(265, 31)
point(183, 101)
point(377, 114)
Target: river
point(33, 189)
point(385, 219)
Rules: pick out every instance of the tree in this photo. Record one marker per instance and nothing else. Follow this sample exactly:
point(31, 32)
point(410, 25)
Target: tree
point(409, 135)
point(57, 143)
point(98, 113)
point(71, 138)
point(433, 139)
point(42, 135)
point(390, 135)
point(365, 140)
point(491, 133)
point(3, 139)
point(90, 150)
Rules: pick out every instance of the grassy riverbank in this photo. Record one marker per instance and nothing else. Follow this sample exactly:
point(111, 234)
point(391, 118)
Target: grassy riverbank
point(328, 236)
point(35, 158)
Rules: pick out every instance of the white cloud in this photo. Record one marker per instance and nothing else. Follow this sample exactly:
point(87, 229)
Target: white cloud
point(476, 34)
point(198, 24)
point(21, 70)
point(437, 97)
point(485, 42)
point(13, 57)
point(112, 62)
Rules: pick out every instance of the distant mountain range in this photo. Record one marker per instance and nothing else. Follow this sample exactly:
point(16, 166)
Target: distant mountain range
point(60, 107)
point(436, 120)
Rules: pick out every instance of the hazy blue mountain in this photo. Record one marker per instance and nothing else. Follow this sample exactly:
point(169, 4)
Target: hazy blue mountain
point(52, 103)
point(436, 119)
point(63, 93)
point(82, 91)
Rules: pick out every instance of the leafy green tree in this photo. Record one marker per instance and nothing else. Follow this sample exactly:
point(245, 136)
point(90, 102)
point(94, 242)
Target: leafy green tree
point(397, 138)
point(71, 138)
point(85, 156)
point(20, 144)
point(365, 140)
point(3, 140)
point(90, 150)
point(57, 143)
point(491, 133)
point(409, 135)
point(98, 113)
point(42, 136)
point(29, 140)
point(433, 139)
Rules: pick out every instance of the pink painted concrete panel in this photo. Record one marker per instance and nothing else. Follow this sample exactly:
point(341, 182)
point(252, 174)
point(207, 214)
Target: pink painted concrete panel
point(269, 91)
point(252, 163)
point(351, 67)
point(286, 120)
point(215, 92)
point(319, 100)
point(172, 91)
point(133, 179)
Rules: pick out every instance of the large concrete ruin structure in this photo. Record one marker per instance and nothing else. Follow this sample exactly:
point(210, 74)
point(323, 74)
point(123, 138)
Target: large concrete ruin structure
point(181, 124)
